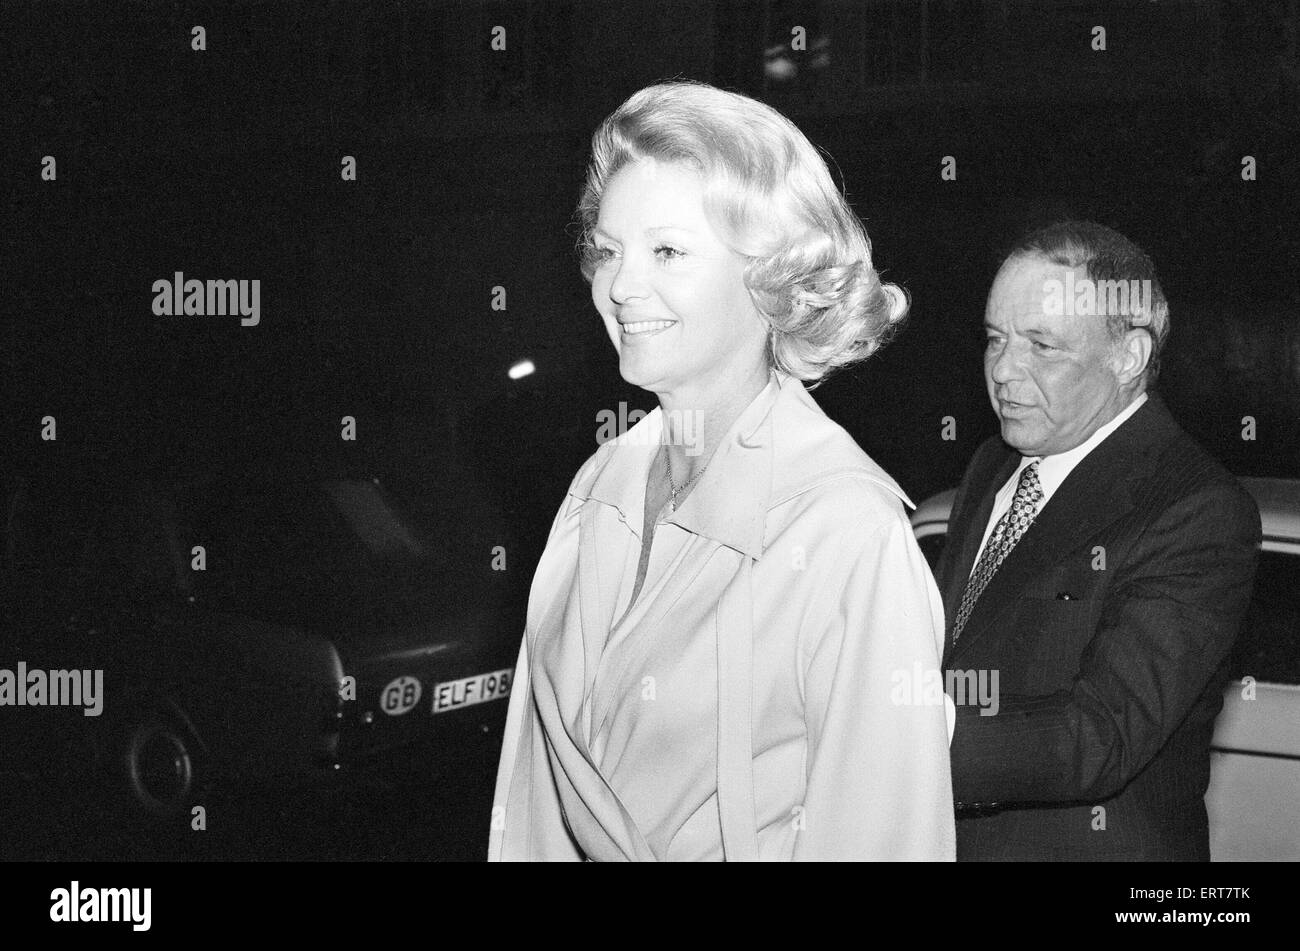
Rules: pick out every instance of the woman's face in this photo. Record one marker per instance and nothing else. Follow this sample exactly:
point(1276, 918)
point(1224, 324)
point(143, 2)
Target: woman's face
point(672, 295)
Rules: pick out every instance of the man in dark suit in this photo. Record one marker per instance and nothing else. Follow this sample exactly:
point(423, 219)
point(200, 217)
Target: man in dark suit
point(1099, 562)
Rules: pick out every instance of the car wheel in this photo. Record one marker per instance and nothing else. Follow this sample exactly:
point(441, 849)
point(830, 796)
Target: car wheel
point(149, 772)
point(159, 765)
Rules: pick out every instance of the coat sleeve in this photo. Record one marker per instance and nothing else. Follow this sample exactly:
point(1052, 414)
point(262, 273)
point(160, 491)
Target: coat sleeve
point(527, 818)
point(516, 719)
point(877, 774)
point(527, 821)
point(1164, 631)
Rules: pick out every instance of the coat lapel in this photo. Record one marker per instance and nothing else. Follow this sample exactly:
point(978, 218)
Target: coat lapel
point(596, 615)
point(556, 693)
point(648, 612)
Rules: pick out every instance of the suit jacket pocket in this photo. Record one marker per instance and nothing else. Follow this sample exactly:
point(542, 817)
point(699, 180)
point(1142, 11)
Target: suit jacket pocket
point(1050, 635)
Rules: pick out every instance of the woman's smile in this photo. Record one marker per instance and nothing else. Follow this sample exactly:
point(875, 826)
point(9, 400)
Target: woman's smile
point(645, 328)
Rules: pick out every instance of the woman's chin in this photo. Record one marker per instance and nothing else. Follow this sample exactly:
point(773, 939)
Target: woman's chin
point(637, 372)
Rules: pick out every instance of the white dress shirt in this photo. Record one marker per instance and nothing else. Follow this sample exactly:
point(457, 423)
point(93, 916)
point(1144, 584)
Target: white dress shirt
point(1052, 471)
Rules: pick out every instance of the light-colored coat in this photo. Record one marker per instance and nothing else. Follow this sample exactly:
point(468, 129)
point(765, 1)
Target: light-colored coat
point(756, 702)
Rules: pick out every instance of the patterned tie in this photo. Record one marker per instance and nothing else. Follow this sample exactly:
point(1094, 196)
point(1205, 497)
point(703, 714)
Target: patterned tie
point(1005, 534)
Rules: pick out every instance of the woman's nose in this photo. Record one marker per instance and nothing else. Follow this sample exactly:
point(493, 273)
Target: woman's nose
point(628, 283)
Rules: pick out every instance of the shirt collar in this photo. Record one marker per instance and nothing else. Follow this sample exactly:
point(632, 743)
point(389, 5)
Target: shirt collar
point(729, 502)
point(1052, 470)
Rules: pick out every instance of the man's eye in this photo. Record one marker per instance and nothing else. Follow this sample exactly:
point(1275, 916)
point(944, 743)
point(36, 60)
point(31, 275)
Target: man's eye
point(669, 251)
point(991, 340)
point(1043, 347)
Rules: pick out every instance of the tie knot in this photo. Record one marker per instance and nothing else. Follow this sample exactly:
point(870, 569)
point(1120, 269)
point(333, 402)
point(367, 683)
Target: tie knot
point(1029, 490)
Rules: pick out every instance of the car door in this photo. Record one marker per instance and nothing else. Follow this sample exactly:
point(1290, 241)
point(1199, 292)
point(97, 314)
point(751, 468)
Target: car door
point(1254, 795)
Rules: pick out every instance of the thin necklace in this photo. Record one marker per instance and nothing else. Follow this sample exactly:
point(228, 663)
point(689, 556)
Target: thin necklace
point(678, 490)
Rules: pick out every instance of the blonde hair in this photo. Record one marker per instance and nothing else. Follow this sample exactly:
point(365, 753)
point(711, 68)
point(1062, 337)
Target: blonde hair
point(770, 197)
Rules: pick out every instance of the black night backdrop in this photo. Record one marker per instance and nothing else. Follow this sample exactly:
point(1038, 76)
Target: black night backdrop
point(376, 294)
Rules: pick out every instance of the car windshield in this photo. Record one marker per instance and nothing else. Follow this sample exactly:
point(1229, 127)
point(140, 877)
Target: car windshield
point(320, 551)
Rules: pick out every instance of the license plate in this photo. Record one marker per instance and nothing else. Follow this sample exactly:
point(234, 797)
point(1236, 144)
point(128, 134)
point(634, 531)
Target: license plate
point(454, 694)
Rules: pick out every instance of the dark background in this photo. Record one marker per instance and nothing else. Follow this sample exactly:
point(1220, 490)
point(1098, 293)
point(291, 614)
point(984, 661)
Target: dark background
point(376, 293)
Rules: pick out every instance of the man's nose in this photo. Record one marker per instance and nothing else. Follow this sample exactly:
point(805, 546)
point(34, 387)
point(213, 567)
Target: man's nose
point(1004, 364)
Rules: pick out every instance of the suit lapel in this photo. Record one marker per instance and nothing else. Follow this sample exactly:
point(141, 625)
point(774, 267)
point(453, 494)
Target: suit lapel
point(970, 529)
point(1097, 492)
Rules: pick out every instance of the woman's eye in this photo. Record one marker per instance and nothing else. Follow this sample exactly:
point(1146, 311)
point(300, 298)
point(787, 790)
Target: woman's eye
point(667, 252)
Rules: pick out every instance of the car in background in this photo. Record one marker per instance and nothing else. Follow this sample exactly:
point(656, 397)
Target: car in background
point(1253, 799)
point(267, 629)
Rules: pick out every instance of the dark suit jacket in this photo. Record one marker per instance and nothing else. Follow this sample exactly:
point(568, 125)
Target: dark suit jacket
point(1110, 673)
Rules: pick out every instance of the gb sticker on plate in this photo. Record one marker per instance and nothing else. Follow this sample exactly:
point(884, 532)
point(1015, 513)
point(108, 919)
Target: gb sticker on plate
point(400, 696)
point(454, 694)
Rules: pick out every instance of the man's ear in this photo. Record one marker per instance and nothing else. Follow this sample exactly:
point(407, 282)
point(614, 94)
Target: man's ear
point(1132, 355)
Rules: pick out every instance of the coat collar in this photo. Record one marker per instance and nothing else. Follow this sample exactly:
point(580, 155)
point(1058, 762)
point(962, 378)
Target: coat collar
point(781, 445)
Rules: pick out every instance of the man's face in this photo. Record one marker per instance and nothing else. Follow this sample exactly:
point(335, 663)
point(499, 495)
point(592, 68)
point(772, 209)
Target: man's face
point(671, 293)
point(1052, 378)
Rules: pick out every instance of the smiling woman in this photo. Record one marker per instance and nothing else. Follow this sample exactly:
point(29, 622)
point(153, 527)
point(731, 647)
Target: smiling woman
point(672, 294)
point(805, 257)
point(730, 588)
